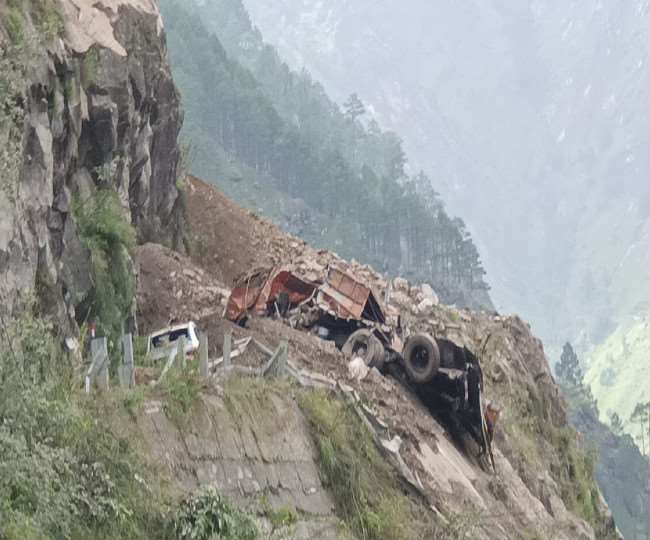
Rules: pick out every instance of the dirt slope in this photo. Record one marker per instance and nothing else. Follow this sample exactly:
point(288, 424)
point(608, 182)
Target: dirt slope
point(543, 488)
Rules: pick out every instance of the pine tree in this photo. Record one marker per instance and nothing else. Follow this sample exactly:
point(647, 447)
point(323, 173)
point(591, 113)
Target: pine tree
point(641, 416)
point(616, 424)
point(354, 107)
point(568, 368)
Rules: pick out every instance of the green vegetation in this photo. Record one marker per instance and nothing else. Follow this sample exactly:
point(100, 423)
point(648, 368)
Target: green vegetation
point(15, 25)
point(280, 518)
point(262, 129)
point(626, 353)
point(13, 59)
point(568, 368)
point(208, 516)
point(63, 474)
point(108, 235)
point(250, 400)
point(71, 465)
point(49, 19)
point(181, 387)
point(89, 67)
point(541, 439)
point(366, 492)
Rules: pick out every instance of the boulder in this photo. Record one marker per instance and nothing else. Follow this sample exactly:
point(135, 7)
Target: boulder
point(430, 294)
point(425, 307)
point(400, 284)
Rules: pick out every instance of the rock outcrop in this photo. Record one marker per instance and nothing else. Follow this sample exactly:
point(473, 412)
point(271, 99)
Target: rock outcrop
point(92, 105)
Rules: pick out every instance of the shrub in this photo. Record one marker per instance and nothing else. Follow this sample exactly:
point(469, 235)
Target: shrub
point(109, 237)
point(63, 473)
point(15, 25)
point(208, 515)
point(50, 20)
point(89, 67)
point(181, 388)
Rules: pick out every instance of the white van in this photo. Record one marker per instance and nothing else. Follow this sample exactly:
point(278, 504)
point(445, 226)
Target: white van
point(161, 343)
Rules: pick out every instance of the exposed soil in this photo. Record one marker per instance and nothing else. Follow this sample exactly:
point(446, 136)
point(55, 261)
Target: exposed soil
point(171, 288)
point(227, 240)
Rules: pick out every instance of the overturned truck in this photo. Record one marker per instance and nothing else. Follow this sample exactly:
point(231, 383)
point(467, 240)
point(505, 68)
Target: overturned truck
point(446, 377)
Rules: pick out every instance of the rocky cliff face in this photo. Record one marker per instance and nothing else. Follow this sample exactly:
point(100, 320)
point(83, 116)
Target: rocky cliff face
point(88, 103)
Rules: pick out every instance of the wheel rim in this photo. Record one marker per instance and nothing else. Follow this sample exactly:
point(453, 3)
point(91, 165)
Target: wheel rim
point(359, 349)
point(420, 358)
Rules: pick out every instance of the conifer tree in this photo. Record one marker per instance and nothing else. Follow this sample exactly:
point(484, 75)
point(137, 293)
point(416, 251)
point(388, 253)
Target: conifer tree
point(568, 368)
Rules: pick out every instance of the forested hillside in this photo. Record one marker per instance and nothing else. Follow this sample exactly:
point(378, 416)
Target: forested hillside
point(272, 139)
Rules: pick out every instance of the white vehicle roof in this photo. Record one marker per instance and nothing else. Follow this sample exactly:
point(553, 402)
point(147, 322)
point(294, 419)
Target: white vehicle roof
point(172, 329)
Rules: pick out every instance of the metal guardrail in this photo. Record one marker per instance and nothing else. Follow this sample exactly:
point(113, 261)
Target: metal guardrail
point(97, 374)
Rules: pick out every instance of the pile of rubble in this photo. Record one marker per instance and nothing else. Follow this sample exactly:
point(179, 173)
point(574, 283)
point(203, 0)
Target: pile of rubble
point(171, 288)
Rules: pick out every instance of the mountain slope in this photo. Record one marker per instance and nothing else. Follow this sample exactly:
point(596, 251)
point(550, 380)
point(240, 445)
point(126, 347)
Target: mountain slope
point(619, 374)
point(274, 138)
point(545, 484)
point(622, 471)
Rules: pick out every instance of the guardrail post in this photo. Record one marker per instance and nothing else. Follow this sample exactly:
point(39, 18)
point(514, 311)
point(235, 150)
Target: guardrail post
point(278, 365)
point(98, 370)
point(203, 356)
point(227, 348)
point(126, 371)
point(180, 352)
point(102, 376)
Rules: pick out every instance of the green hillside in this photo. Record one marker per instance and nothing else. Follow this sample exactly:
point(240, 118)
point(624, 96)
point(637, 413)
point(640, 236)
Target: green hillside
point(619, 373)
point(274, 141)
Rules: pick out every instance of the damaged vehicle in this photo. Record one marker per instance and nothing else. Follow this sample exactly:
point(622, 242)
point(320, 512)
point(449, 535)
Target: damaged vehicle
point(161, 342)
point(446, 377)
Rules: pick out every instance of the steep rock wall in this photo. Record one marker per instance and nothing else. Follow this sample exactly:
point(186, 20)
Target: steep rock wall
point(91, 104)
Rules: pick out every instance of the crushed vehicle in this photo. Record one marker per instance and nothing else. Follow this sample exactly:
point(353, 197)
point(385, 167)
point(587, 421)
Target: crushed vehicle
point(446, 377)
point(161, 342)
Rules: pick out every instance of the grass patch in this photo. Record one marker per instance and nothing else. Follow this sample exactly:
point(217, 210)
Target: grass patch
point(249, 400)
point(133, 401)
point(89, 67)
point(15, 25)
point(181, 388)
point(578, 488)
point(573, 470)
point(367, 495)
point(49, 19)
point(280, 518)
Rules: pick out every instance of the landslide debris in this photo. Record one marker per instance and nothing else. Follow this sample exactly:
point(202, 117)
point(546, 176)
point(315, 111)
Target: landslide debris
point(171, 288)
point(544, 485)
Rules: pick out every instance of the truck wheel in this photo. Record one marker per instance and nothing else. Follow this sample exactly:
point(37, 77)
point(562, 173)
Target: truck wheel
point(421, 358)
point(364, 344)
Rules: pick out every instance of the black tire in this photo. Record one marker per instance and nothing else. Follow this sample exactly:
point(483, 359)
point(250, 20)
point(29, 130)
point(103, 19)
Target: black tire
point(364, 344)
point(421, 358)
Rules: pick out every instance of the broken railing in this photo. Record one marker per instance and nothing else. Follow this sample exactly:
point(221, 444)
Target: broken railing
point(97, 374)
point(175, 357)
